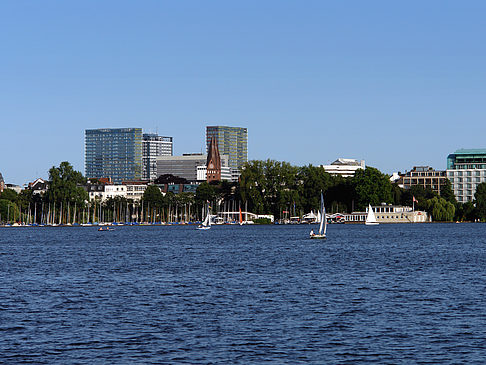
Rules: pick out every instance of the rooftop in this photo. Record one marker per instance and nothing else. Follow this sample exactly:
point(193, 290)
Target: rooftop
point(471, 151)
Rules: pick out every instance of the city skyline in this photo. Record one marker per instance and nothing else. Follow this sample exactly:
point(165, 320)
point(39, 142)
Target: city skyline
point(396, 85)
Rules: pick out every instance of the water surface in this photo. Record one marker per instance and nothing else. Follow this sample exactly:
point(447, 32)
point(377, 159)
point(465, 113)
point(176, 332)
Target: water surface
point(244, 295)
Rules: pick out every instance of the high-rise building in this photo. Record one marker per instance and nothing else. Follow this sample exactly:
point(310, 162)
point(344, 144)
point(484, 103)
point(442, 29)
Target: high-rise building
point(232, 142)
point(466, 168)
point(153, 146)
point(114, 153)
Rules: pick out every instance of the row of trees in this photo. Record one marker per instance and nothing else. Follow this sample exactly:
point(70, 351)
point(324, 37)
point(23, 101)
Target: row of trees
point(265, 187)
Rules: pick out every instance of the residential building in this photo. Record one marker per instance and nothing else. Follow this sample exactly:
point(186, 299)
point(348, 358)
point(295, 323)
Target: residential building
point(466, 169)
point(424, 176)
point(184, 166)
point(153, 146)
point(346, 167)
point(39, 186)
point(232, 141)
point(114, 153)
point(135, 189)
point(105, 191)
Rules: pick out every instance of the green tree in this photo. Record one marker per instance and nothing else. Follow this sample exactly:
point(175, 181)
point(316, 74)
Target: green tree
point(372, 187)
point(66, 185)
point(9, 194)
point(205, 193)
point(480, 198)
point(314, 180)
point(440, 209)
point(447, 193)
point(9, 212)
point(153, 196)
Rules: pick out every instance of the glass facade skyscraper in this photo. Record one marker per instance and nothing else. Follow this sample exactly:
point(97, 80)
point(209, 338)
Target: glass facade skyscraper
point(114, 153)
point(232, 141)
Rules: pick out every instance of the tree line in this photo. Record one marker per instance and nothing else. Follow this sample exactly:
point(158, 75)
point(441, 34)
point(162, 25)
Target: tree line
point(265, 187)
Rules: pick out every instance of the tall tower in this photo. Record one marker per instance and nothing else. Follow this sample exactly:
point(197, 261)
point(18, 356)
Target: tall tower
point(113, 153)
point(213, 164)
point(153, 146)
point(231, 141)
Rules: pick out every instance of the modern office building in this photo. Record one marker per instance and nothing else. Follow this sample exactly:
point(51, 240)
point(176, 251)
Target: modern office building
point(153, 146)
point(466, 169)
point(424, 176)
point(346, 167)
point(232, 141)
point(114, 153)
point(184, 166)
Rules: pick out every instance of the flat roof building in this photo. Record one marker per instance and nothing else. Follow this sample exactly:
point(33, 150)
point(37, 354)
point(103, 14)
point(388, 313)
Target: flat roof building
point(346, 167)
point(424, 176)
point(153, 146)
point(466, 169)
point(184, 166)
point(114, 153)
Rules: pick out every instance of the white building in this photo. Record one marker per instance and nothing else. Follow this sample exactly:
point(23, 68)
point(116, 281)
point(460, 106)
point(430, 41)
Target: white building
point(104, 192)
point(346, 167)
point(135, 189)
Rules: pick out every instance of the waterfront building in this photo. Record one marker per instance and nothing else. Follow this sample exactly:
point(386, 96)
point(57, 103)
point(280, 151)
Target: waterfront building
point(424, 176)
point(114, 153)
point(2, 183)
point(466, 169)
point(231, 141)
point(389, 214)
point(185, 166)
point(153, 146)
point(346, 167)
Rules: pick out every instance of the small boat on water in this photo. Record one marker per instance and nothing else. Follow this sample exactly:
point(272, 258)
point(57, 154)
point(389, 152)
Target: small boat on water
point(323, 224)
point(370, 218)
point(206, 224)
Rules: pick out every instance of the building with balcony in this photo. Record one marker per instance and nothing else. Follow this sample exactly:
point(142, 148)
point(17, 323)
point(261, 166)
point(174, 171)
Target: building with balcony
point(466, 169)
point(346, 167)
point(114, 153)
point(424, 176)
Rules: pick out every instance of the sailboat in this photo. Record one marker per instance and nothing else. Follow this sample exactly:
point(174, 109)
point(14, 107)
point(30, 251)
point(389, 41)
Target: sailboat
point(323, 224)
point(206, 224)
point(371, 219)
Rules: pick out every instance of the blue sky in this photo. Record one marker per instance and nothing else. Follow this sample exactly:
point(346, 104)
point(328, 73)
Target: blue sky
point(397, 84)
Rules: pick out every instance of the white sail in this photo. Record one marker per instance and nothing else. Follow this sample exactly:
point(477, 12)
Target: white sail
point(322, 211)
point(207, 220)
point(371, 219)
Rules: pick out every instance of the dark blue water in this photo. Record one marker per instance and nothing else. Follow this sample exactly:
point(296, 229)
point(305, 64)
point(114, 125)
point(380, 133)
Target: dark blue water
point(244, 295)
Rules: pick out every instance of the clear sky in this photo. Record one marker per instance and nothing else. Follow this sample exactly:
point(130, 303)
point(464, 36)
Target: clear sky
point(394, 83)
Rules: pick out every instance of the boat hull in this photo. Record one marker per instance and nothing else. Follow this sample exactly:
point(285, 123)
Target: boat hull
point(371, 223)
point(318, 237)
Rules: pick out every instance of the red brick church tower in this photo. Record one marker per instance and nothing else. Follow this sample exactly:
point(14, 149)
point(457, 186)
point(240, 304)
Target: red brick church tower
point(213, 163)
